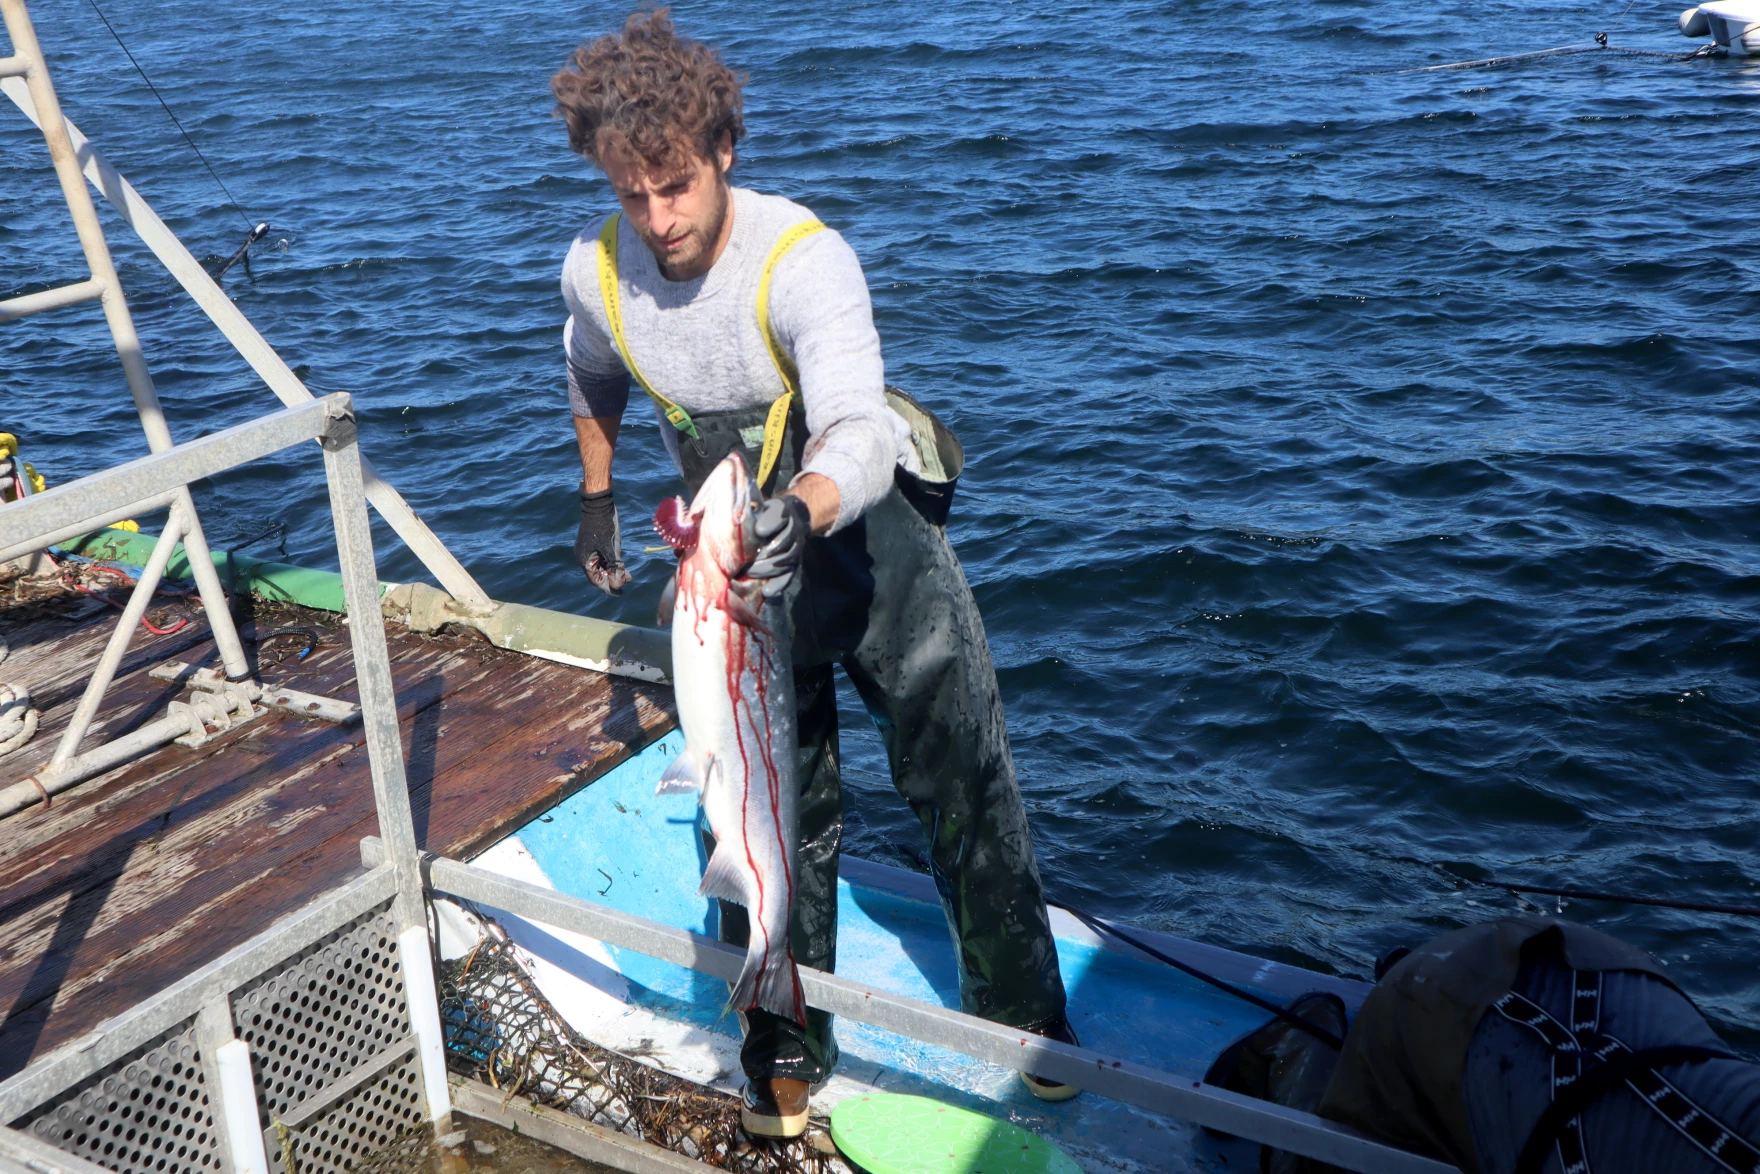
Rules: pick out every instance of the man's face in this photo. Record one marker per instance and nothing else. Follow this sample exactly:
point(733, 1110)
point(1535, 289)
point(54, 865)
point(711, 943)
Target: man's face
point(681, 210)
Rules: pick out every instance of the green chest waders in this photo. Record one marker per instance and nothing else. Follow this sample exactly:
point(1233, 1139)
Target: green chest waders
point(885, 598)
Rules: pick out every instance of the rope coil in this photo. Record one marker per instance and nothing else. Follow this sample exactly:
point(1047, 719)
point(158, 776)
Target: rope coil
point(18, 721)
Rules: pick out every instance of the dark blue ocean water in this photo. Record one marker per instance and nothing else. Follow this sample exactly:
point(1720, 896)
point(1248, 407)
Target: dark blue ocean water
point(1363, 484)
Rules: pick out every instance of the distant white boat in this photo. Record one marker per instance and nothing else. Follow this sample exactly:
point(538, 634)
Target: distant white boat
point(1733, 24)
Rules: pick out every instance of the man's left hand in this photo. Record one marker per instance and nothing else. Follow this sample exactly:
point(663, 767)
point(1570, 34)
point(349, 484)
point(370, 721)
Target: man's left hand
point(783, 526)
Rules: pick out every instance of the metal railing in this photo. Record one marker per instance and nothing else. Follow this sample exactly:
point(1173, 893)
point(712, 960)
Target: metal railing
point(1108, 1076)
point(196, 1023)
point(207, 1004)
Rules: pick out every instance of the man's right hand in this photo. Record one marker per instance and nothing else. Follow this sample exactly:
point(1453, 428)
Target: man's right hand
point(598, 544)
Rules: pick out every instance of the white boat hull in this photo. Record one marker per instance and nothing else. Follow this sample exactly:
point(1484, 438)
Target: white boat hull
point(1733, 25)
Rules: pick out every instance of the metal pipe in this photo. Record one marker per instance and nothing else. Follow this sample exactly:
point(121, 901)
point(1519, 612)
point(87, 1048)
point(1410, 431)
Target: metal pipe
point(82, 528)
point(23, 1153)
point(52, 780)
point(76, 503)
point(50, 299)
point(117, 647)
point(85, 222)
point(378, 699)
point(14, 67)
point(214, 598)
point(275, 372)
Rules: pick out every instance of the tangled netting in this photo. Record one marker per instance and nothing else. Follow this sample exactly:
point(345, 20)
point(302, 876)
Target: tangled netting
point(501, 1030)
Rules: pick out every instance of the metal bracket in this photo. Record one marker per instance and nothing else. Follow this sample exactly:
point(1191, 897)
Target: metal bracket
point(220, 709)
point(339, 432)
point(327, 709)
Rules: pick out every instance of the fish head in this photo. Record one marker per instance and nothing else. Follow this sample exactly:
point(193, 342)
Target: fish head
point(718, 522)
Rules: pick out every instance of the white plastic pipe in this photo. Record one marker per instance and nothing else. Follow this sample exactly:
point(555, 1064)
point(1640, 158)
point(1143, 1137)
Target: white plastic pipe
point(238, 1102)
point(424, 1017)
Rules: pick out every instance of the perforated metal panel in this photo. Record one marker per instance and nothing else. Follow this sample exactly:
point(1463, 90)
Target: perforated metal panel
point(147, 1114)
point(323, 1013)
point(366, 1122)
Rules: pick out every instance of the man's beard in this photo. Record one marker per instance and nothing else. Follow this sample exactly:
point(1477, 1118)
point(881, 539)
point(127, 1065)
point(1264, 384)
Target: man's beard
point(698, 241)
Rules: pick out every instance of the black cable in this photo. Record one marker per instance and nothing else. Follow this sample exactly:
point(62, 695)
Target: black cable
point(277, 528)
point(162, 102)
point(310, 635)
point(1620, 898)
point(1290, 1017)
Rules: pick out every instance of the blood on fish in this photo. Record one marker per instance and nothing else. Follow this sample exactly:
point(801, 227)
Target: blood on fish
point(706, 587)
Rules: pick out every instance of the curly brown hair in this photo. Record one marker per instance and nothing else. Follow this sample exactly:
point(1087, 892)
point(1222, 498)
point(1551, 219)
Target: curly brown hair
point(649, 91)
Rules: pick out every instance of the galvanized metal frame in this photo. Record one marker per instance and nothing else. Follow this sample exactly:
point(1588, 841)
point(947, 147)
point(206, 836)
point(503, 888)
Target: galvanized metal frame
point(204, 996)
point(20, 1153)
point(74, 506)
point(232, 323)
point(1121, 1080)
point(29, 64)
point(115, 1038)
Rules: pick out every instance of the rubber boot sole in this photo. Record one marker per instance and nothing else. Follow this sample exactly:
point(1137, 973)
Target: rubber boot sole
point(781, 1126)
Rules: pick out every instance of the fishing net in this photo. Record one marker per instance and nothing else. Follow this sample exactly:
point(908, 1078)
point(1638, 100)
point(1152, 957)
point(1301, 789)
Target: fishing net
point(501, 1030)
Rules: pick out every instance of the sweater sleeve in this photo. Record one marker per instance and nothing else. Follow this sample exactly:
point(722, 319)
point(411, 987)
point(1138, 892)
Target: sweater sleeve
point(598, 382)
point(822, 315)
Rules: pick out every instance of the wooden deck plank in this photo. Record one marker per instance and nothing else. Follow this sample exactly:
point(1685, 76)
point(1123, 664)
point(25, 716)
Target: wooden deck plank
point(134, 879)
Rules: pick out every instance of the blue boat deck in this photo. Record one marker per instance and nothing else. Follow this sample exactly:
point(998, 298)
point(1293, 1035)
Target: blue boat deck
point(620, 844)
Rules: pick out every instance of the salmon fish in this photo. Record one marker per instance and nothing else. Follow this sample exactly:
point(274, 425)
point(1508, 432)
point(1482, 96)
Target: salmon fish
point(733, 676)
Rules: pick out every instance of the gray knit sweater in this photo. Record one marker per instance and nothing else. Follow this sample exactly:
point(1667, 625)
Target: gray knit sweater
point(698, 342)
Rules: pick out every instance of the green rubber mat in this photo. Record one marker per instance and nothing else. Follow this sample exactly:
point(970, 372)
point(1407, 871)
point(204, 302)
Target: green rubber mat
point(885, 1133)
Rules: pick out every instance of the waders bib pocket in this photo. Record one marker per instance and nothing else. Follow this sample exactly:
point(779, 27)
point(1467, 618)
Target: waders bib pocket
point(940, 453)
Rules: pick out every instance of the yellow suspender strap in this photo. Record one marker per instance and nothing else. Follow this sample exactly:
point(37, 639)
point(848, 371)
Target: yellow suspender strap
point(777, 422)
point(608, 292)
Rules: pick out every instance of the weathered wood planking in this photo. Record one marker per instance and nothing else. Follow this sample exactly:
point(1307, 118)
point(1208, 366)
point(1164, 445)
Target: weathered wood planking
point(134, 879)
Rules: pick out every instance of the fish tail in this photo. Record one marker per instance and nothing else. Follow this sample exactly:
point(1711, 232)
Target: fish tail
point(779, 987)
point(745, 988)
point(770, 980)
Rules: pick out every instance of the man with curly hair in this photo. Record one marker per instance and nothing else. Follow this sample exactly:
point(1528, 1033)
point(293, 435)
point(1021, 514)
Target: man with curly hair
point(748, 324)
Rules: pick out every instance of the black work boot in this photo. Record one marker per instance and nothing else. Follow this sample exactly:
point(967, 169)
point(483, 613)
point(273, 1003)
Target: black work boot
point(774, 1108)
point(1050, 1090)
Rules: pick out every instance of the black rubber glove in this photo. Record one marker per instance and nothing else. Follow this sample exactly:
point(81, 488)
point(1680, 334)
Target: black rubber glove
point(783, 526)
point(598, 545)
